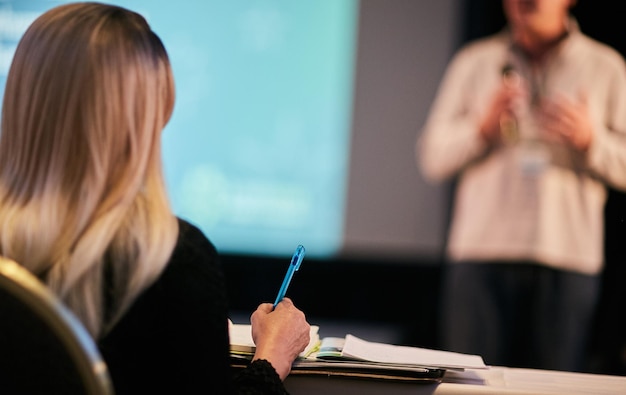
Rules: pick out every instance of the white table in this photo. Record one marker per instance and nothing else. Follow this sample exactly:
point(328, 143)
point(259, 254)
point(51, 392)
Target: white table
point(492, 381)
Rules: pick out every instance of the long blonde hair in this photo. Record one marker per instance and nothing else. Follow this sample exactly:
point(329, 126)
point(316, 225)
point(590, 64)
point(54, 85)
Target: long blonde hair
point(83, 203)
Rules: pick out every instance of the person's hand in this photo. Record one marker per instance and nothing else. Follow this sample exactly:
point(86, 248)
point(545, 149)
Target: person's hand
point(567, 120)
point(499, 120)
point(279, 335)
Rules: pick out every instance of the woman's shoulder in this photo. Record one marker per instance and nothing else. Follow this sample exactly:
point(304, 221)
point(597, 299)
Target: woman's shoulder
point(190, 236)
point(194, 262)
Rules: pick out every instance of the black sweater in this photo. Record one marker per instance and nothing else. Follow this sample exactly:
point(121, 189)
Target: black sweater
point(174, 338)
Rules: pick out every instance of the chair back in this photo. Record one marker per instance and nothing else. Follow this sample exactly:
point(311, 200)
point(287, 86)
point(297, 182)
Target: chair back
point(44, 348)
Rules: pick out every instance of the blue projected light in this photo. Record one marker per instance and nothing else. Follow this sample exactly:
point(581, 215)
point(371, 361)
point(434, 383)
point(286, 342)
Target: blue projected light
point(256, 152)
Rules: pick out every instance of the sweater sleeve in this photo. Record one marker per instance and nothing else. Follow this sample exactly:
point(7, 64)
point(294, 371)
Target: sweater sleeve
point(449, 139)
point(258, 378)
point(606, 156)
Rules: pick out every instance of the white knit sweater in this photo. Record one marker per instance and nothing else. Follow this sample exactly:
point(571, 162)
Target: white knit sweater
point(535, 199)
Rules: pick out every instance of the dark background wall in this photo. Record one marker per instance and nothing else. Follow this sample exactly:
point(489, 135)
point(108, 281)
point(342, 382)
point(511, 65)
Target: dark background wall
point(402, 292)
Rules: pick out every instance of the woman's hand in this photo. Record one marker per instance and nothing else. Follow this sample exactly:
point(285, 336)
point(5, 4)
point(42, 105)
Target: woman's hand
point(280, 334)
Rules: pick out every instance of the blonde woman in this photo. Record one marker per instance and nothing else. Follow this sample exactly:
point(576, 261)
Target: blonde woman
point(83, 206)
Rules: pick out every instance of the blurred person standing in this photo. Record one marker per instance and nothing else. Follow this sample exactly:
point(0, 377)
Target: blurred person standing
point(531, 122)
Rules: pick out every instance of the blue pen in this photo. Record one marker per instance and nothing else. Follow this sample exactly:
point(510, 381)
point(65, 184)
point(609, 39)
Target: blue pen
point(296, 260)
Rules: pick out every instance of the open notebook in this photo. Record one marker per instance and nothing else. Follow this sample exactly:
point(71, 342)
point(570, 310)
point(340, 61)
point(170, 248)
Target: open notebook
point(355, 357)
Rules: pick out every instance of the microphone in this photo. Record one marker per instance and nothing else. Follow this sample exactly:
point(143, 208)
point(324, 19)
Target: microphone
point(509, 132)
point(510, 76)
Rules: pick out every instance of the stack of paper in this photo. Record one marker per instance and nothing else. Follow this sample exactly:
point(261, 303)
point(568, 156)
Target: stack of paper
point(358, 349)
point(355, 357)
